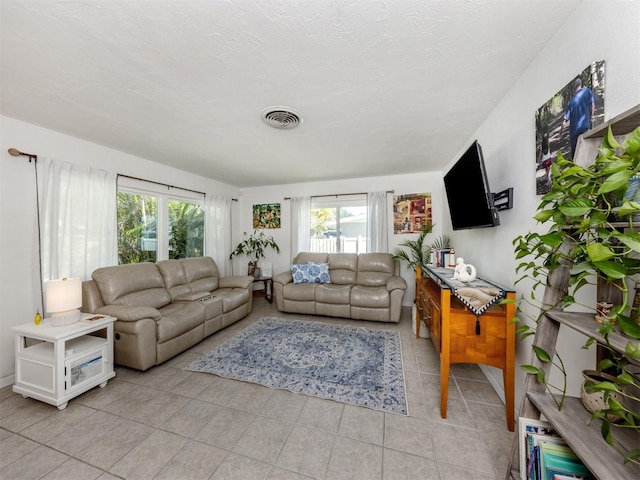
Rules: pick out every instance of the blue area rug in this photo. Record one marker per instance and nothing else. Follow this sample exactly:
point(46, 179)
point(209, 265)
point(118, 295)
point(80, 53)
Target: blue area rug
point(353, 365)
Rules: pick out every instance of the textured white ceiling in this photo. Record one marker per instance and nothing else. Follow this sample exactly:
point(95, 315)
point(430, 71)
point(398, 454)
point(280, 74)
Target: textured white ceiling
point(384, 86)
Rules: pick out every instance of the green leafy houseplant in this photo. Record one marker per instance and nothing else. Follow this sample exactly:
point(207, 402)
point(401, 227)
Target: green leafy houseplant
point(591, 233)
point(418, 252)
point(254, 247)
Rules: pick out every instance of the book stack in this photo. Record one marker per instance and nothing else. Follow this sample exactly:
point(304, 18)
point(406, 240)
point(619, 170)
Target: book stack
point(440, 258)
point(544, 455)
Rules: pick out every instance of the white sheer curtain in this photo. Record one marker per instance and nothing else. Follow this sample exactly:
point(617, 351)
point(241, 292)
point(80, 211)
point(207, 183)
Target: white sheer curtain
point(300, 225)
point(78, 222)
point(377, 222)
point(218, 231)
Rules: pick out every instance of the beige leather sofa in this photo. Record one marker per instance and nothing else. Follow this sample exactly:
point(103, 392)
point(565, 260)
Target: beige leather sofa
point(365, 286)
point(165, 308)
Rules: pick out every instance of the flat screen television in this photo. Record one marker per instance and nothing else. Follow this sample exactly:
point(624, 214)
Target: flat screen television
point(468, 194)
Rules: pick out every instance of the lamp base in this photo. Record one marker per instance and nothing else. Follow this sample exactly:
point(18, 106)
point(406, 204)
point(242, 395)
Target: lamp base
point(60, 319)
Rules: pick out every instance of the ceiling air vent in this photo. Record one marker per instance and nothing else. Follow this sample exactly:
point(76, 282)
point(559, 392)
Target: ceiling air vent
point(281, 117)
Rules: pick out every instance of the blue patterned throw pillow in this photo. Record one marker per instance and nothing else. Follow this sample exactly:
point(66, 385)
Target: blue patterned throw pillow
point(300, 273)
point(319, 273)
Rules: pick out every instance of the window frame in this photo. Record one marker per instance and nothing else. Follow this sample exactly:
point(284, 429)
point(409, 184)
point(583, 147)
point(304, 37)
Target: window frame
point(163, 194)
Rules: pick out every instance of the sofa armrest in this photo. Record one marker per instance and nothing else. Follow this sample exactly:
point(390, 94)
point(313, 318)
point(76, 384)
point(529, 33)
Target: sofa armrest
point(129, 313)
point(283, 278)
point(236, 281)
point(396, 283)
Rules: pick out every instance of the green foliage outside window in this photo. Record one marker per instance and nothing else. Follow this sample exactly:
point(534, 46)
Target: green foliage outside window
point(137, 228)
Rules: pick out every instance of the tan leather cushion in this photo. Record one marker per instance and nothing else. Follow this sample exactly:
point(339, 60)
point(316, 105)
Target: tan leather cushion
point(301, 292)
point(202, 273)
point(175, 278)
point(132, 284)
point(232, 298)
point(179, 318)
point(362, 296)
point(306, 257)
point(343, 268)
point(374, 269)
point(335, 294)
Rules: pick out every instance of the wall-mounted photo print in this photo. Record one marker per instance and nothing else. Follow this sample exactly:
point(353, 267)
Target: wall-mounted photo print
point(266, 215)
point(411, 212)
point(578, 107)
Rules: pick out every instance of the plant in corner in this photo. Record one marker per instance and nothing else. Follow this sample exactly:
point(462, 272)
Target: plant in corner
point(418, 252)
point(254, 246)
point(591, 238)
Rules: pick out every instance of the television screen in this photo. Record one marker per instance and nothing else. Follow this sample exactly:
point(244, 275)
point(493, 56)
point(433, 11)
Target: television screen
point(468, 194)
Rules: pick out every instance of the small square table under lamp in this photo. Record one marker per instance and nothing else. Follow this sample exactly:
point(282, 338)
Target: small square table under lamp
point(64, 299)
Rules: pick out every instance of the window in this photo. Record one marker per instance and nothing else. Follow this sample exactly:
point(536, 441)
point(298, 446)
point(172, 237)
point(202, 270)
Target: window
point(155, 225)
point(339, 224)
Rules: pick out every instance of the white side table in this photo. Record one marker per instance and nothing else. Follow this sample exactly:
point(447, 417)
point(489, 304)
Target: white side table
point(67, 360)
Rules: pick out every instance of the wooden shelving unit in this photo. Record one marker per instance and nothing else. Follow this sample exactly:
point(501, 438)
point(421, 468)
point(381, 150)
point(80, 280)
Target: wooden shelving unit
point(572, 422)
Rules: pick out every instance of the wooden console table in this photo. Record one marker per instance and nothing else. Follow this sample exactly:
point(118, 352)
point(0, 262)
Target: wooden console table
point(461, 336)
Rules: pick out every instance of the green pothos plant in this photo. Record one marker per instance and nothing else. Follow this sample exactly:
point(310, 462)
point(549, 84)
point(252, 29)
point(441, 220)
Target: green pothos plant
point(589, 211)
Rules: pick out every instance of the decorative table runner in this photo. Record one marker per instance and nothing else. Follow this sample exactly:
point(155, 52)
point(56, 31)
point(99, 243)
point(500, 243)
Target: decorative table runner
point(477, 295)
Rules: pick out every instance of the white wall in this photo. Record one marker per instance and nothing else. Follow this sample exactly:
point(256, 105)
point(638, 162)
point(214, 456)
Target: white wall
point(602, 30)
point(426, 182)
point(19, 294)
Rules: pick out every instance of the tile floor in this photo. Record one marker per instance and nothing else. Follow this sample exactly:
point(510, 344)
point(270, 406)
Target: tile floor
point(168, 423)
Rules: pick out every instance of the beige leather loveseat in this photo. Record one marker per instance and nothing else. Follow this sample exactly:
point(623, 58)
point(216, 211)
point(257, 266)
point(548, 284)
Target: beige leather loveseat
point(164, 308)
point(365, 286)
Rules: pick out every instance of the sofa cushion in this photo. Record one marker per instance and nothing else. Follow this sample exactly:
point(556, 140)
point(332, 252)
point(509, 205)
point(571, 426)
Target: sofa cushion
point(314, 257)
point(335, 294)
point(370, 297)
point(175, 278)
point(132, 284)
point(201, 273)
point(300, 292)
point(343, 268)
point(232, 298)
point(178, 318)
point(374, 269)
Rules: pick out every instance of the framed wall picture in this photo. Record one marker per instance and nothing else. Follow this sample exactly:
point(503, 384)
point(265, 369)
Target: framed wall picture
point(576, 108)
point(266, 215)
point(411, 212)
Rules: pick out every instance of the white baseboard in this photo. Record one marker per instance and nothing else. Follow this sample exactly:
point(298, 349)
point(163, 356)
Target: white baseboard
point(6, 381)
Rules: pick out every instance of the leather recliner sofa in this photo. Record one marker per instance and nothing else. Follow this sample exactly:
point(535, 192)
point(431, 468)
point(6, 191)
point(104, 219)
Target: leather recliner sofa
point(166, 307)
point(365, 286)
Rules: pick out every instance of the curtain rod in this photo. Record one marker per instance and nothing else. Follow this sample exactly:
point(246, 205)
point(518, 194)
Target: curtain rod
point(166, 185)
point(340, 194)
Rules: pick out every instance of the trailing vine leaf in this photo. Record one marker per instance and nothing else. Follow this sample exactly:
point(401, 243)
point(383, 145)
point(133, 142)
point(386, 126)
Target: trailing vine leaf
point(542, 355)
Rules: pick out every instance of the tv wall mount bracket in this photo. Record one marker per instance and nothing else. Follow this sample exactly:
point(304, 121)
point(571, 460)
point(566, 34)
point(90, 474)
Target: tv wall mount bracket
point(503, 200)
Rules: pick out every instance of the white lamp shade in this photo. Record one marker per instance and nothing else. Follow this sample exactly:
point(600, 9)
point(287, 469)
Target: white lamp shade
point(64, 295)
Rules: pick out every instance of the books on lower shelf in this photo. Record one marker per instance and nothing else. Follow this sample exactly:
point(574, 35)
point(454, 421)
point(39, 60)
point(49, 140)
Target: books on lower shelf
point(544, 455)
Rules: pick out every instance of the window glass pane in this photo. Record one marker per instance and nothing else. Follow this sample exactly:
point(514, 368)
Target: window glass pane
point(137, 228)
point(186, 229)
point(339, 229)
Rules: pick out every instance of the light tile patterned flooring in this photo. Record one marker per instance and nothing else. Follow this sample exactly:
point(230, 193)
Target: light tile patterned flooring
point(168, 423)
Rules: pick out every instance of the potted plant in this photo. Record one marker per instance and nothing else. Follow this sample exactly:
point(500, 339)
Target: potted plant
point(592, 236)
point(254, 246)
point(417, 253)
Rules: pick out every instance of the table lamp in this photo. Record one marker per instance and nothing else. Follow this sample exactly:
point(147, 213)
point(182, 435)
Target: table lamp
point(64, 299)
